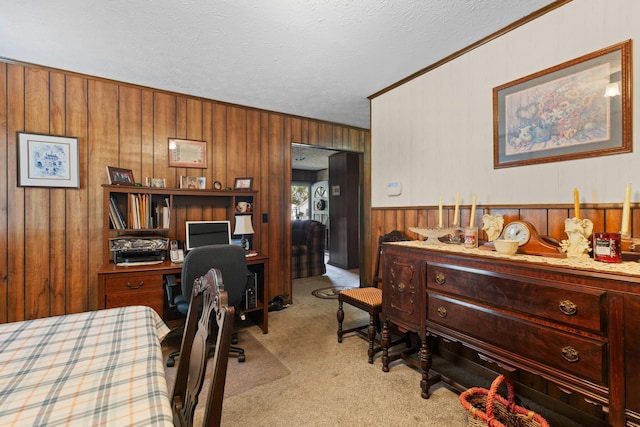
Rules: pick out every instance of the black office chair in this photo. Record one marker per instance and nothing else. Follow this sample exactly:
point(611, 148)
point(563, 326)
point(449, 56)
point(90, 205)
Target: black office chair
point(232, 263)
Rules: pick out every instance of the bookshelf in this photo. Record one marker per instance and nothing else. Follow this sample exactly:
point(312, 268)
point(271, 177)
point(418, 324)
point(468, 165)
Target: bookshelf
point(146, 211)
point(133, 211)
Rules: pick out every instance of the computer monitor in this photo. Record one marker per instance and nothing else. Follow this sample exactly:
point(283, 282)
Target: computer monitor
point(203, 233)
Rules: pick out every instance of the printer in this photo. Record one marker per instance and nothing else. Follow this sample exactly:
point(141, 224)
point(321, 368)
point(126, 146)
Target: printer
point(138, 249)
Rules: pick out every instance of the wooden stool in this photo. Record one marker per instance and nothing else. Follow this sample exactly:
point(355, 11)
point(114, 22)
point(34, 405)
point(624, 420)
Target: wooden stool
point(369, 300)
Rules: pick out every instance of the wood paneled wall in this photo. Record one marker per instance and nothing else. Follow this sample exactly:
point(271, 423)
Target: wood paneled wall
point(548, 220)
point(51, 238)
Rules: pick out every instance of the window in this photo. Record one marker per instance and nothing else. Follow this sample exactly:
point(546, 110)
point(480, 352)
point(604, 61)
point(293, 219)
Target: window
point(300, 200)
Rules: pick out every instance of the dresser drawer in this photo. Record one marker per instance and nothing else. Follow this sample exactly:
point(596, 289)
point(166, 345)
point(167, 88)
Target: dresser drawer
point(569, 304)
point(567, 352)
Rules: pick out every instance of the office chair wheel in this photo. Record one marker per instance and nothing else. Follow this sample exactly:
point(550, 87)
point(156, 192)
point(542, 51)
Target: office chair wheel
point(241, 358)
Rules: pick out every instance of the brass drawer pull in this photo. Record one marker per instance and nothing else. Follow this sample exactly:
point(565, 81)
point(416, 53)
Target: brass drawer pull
point(567, 307)
point(441, 279)
point(442, 312)
point(570, 354)
point(401, 287)
point(130, 286)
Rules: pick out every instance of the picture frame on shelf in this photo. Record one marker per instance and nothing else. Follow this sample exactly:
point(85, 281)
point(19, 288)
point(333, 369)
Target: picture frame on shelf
point(48, 161)
point(187, 153)
point(155, 182)
point(578, 109)
point(120, 176)
point(193, 182)
point(243, 184)
point(217, 185)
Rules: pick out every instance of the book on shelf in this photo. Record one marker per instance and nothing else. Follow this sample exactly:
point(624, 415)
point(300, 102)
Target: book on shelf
point(161, 214)
point(116, 214)
point(142, 215)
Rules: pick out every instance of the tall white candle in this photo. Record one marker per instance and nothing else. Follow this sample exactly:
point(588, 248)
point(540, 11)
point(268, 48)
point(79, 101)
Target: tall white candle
point(473, 212)
point(440, 213)
point(626, 211)
point(456, 211)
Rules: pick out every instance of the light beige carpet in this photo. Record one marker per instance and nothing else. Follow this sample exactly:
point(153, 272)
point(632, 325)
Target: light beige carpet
point(329, 384)
point(260, 366)
point(332, 384)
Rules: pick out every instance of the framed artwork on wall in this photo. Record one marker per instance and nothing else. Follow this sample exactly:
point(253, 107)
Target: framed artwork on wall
point(187, 153)
point(48, 161)
point(578, 109)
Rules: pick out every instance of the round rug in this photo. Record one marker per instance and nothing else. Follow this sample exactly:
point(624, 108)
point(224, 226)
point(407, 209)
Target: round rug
point(329, 293)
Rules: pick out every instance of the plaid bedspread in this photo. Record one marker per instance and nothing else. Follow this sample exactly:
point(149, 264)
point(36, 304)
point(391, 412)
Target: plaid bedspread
point(100, 368)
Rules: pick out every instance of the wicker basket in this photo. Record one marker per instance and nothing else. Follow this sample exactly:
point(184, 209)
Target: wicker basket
point(487, 408)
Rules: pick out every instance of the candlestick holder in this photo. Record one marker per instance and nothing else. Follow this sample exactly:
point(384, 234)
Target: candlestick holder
point(578, 244)
point(626, 242)
point(433, 235)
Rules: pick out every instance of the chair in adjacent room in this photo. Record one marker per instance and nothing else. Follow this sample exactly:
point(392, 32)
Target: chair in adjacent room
point(231, 261)
point(209, 294)
point(368, 299)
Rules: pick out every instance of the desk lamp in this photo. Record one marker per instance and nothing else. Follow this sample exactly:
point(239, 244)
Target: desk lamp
point(243, 226)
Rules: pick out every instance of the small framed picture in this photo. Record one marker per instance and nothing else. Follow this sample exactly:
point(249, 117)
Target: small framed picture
point(155, 182)
point(243, 184)
point(119, 176)
point(48, 161)
point(193, 182)
point(217, 185)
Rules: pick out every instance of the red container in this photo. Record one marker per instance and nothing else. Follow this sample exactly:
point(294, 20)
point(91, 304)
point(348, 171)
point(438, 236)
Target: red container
point(607, 247)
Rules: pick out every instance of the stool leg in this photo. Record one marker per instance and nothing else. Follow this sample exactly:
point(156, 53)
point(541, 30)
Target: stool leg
point(371, 334)
point(340, 316)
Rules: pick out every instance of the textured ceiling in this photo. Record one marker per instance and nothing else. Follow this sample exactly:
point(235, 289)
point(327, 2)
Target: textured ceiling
point(314, 58)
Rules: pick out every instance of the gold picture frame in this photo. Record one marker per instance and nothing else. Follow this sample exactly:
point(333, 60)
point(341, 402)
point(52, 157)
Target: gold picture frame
point(578, 109)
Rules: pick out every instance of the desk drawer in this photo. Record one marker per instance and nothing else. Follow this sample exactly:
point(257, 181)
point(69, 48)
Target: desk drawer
point(568, 352)
point(555, 301)
point(133, 283)
point(135, 289)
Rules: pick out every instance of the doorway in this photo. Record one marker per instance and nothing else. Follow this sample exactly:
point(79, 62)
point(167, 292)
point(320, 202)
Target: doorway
point(311, 196)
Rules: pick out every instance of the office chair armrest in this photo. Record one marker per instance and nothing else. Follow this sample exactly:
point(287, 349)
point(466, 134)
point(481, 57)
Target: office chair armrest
point(171, 286)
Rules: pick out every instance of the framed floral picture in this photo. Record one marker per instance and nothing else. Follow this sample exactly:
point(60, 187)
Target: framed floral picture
point(578, 109)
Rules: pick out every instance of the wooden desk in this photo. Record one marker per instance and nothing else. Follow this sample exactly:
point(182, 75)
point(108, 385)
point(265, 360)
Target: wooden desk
point(573, 324)
point(144, 284)
point(101, 367)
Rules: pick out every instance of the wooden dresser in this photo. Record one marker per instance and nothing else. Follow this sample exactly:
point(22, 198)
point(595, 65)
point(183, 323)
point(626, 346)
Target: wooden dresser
point(573, 323)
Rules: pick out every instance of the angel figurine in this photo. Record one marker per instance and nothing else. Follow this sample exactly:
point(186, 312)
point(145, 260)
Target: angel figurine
point(578, 230)
point(492, 225)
